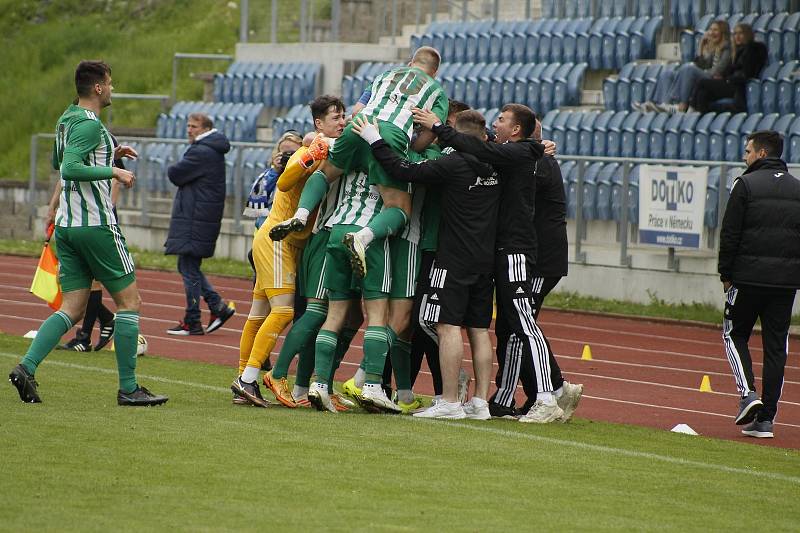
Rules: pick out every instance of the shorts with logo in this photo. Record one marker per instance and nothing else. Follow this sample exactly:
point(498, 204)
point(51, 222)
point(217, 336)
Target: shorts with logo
point(276, 264)
point(350, 152)
point(93, 252)
point(406, 261)
point(342, 283)
point(459, 298)
point(312, 269)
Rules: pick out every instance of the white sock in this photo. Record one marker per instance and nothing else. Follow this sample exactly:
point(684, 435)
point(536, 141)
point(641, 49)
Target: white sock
point(405, 396)
point(301, 214)
point(297, 391)
point(558, 392)
point(250, 374)
point(360, 377)
point(366, 236)
point(546, 397)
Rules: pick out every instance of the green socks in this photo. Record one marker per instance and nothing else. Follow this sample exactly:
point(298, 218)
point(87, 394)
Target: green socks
point(325, 352)
point(376, 345)
point(401, 362)
point(388, 222)
point(314, 191)
point(345, 338)
point(50, 332)
point(306, 327)
point(126, 336)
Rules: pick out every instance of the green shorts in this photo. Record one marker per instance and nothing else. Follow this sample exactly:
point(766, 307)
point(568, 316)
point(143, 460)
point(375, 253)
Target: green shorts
point(406, 259)
point(350, 152)
point(93, 252)
point(340, 281)
point(312, 267)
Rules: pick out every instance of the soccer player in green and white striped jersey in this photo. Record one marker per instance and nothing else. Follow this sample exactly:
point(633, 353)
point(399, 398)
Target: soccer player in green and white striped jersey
point(395, 94)
point(90, 244)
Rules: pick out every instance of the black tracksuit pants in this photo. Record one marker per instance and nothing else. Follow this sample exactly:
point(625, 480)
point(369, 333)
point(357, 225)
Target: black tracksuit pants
point(523, 351)
point(745, 304)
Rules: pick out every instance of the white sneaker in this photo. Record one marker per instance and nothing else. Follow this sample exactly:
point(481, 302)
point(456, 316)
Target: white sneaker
point(443, 409)
point(570, 397)
point(320, 399)
point(477, 409)
point(358, 254)
point(542, 413)
point(464, 380)
point(374, 395)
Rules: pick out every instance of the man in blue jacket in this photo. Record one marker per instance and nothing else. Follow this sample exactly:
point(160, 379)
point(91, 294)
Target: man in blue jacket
point(196, 220)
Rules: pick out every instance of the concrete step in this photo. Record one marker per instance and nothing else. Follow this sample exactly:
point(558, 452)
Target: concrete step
point(668, 52)
point(591, 98)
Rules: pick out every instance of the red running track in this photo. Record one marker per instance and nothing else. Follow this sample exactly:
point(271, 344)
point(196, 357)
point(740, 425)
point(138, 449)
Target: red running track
point(642, 373)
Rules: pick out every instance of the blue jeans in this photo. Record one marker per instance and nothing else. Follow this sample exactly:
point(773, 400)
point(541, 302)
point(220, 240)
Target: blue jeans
point(196, 285)
point(684, 83)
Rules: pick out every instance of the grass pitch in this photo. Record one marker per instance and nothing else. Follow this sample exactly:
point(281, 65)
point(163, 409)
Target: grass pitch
point(199, 463)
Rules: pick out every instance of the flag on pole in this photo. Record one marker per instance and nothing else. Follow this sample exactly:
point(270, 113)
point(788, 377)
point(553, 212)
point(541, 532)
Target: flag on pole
point(45, 280)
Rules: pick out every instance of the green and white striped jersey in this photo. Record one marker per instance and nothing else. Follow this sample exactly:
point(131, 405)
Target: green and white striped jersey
point(84, 154)
point(329, 203)
point(396, 92)
point(359, 203)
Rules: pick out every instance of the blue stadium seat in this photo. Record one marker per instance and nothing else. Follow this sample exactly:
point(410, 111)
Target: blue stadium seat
point(547, 122)
point(643, 43)
point(590, 190)
point(603, 195)
point(567, 171)
point(584, 38)
point(569, 42)
point(655, 143)
point(712, 198)
point(642, 135)
point(523, 79)
point(754, 87)
point(590, 128)
point(672, 134)
point(793, 142)
point(786, 89)
point(609, 42)
point(539, 88)
point(596, 41)
point(690, 134)
point(506, 74)
point(602, 125)
point(685, 138)
point(771, 89)
point(734, 140)
point(633, 195)
point(546, 52)
point(783, 125)
point(718, 139)
point(572, 192)
point(485, 78)
point(582, 144)
point(622, 47)
point(788, 37)
point(520, 78)
point(638, 83)
point(710, 145)
point(627, 146)
point(614, 134)
point(572, 133)
point(615, 84)
point(557, 129)
point(557, 96)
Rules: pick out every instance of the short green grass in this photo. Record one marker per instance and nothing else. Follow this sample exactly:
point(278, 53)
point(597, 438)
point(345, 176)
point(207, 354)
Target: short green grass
point(199, 463)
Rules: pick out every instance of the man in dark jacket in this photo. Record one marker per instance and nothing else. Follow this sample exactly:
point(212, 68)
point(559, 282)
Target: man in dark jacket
point(196, 220)
point(514, 155)
point(550, 221)
point(759, 265)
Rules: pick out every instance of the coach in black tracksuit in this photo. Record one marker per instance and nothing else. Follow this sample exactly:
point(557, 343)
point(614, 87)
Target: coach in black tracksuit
point(550, 221)
point(759, 265)
point(516, 245)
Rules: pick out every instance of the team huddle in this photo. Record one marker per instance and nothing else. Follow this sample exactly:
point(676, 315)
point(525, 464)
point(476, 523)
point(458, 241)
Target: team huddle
point(424, 225)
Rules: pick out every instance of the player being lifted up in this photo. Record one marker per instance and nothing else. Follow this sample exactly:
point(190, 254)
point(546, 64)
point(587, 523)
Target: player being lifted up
point(394, 94)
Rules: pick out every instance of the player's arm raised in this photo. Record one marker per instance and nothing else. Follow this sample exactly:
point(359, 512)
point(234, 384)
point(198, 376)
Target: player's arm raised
point(397, 167)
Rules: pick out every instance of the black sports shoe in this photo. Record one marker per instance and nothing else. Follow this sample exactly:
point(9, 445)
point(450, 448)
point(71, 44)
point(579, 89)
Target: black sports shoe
point(140, 397)
point(184, 329)
point(220, 317)
point(77, 344)
point(25, 384)
point(281, 230)
point(501, 411)
point(251, 391)
point(106, 334)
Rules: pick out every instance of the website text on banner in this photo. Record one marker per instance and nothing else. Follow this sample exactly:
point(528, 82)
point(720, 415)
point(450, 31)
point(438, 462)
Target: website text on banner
point(672, 201)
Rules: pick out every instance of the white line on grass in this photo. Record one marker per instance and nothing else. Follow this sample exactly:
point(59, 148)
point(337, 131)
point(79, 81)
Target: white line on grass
point(607, 449)
point(494, 431)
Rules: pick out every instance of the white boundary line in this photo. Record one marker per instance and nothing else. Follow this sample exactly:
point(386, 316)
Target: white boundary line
point(494, 431)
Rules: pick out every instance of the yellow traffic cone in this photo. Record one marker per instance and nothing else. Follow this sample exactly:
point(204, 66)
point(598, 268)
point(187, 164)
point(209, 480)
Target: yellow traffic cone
point(587, 353)
point(705, 385)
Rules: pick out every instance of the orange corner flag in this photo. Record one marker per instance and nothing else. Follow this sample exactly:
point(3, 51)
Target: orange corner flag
point(45, 280)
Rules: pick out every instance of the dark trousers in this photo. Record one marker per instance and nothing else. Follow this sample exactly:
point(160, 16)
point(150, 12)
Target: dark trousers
point(520, 342)
point(424, 340)
point(196, 285)
point(743, 306)
point(710, 90)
